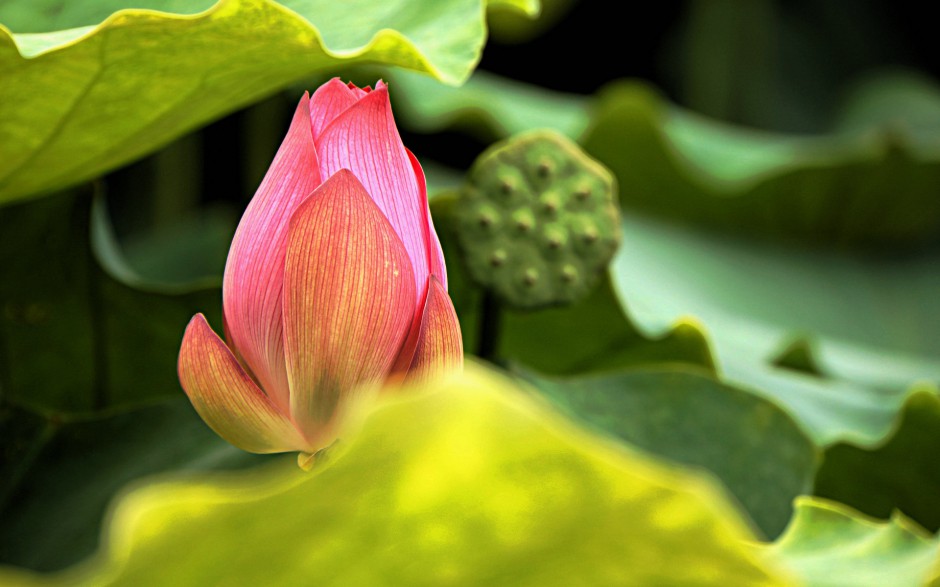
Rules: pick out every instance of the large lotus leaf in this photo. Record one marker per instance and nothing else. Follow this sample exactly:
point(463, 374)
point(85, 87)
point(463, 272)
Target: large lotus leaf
point(750, 444)
point(74, 336)
point(829, 545)
point(873, 186)
point(58, 472)
point(901, 473)
point(673, 163)
point(874, 322)
point(483, 486)
point(85, 91)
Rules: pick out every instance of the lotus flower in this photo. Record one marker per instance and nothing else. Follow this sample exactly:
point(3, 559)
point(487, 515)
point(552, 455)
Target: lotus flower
point(335, 283)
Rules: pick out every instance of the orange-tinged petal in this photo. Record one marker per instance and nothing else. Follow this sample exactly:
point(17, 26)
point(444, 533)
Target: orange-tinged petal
point(227, 398)
point(439, 346)
point(349, 300)
point(251, 291)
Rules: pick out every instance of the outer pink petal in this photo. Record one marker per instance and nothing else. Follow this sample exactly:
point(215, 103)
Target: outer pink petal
point(226, 397)
point(349, 301)
point(406, 354)
point(251, 291)
point(329, 101)
point(364, 139)
point(439, 347)
point(435, 253)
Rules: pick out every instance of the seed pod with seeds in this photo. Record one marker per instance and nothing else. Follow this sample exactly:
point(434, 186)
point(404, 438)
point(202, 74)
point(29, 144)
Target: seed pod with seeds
point(537, 220)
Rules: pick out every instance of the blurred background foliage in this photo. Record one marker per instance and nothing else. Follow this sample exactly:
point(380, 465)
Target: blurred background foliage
point(772, 317)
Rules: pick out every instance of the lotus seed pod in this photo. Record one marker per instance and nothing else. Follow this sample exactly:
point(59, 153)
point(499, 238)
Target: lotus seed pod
point(537, 220)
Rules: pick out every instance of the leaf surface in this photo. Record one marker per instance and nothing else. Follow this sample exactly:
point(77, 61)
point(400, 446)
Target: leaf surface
point(684, 415)
point(901, 473)
point(56, 488)
point(872, 321)
point(829, 545)
point(482, 487)
point(114, 84)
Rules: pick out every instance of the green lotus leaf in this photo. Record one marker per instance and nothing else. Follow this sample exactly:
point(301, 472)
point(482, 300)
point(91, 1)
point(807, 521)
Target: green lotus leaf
point(595, 335)
point(871, 186)
point(85, 327)
point(74, 307)
point(110, 87)
point(483, 486)
point(687, 416)
point(873, 321)
point(829, 545)
point(56, 486)
point(899, 474)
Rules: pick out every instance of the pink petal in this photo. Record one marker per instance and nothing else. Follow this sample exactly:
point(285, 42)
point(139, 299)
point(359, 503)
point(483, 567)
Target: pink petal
point(439, 345)
point(406, 354)
point(329, 101)
point(435, 253)
point(251, 291)
point(349, 301)
point(360, 92)
point(226, 397)
point(364, 139)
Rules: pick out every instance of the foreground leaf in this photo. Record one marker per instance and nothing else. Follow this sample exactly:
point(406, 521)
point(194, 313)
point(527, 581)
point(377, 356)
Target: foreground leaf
point(78, 102)
point(482, 487)
point(829, 545)
point(751, 445)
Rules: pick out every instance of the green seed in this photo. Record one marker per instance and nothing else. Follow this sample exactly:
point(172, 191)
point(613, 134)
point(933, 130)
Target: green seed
point(523, 219)
point(551, 202)
point(544, 167)
point(507, 186)
point(555, 237)
point(589, 234)
point(569, 274)
point(530, 277)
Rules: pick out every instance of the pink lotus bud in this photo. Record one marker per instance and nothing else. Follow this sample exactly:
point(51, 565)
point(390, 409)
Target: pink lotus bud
point(335, 282)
